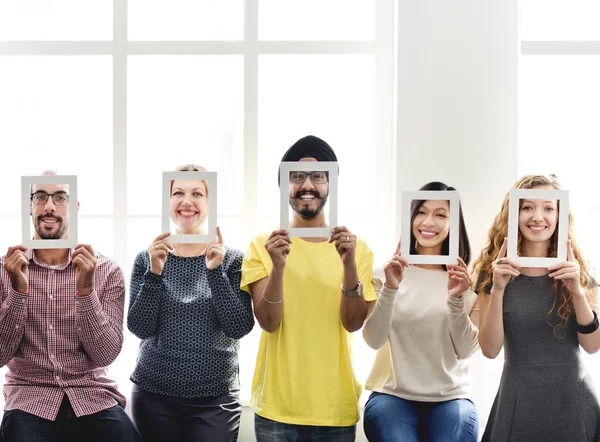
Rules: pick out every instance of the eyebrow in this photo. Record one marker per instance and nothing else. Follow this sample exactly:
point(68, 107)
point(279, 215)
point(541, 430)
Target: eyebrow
point(181, 188)
point(543, 201)
point(57, 192)
point(435, 208)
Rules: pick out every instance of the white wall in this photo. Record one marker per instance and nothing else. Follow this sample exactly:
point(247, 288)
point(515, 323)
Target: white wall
point(457, 116)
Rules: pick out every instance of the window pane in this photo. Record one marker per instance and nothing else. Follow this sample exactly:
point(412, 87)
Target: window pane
point(56, 112)
point(186, 20)
point(98, 232)
point(316, 20)
point(140, 234)
point(332, 97)
point(232, 230)
point(10, 226)
point(560, 19)
point(558, 121)
point(63, 20)
point(185, 109)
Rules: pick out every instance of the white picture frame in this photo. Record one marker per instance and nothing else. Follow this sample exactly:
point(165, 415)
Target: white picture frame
point(453, 199)
point(515, 195)
point(26, 233)
point(211, 179)
point(285, 168)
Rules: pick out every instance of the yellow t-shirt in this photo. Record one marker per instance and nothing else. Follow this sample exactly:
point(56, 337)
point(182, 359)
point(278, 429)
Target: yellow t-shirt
point(303, 371)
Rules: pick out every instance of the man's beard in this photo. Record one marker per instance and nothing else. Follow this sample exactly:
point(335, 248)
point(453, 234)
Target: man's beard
point(44, 234)
point(306, 213)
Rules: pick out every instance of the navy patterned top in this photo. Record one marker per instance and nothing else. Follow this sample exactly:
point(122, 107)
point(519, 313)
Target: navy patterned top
point(189, 320)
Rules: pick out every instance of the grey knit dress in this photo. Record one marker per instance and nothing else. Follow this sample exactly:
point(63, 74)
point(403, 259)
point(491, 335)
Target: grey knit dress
point(545, 393)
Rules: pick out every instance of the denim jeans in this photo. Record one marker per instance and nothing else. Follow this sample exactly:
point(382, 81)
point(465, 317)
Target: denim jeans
point(267, 430)
point(111, 424)
point(390, 418)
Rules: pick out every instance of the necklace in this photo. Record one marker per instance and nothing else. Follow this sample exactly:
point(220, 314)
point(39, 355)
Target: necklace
point(190, 256)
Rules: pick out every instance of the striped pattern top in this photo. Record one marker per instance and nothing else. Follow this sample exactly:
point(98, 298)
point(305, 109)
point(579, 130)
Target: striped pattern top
point(57, 343)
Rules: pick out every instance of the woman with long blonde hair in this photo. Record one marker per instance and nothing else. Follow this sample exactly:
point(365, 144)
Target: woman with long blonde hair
point(541, 316)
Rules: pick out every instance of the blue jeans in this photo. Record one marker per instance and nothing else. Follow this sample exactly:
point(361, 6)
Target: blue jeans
point(390, 418)
point(267, 430)
point(111, 424)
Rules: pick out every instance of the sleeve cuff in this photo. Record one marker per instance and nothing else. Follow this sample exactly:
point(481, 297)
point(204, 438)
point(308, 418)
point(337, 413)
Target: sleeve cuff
point(387, 296)
point(87, 303)
point(152, 278)
point(456, 304)
point(17, 298)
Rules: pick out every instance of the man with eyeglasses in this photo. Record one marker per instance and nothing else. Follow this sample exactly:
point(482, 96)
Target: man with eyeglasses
point(50, 225)
point(309, 294)
point(61, 325)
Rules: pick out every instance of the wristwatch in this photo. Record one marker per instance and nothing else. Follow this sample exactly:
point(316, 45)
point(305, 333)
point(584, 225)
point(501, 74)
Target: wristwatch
point(353, 293)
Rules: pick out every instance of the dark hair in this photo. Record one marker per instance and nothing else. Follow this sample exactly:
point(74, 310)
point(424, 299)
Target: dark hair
point(464, 246)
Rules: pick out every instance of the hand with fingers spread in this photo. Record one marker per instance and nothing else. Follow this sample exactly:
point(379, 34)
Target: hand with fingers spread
point(84, 263)
point(215, 252)
point(345, 244)
point(459, 280)
point(17, 267)
point(159, 251)
point(503, 269)
point(278, 247)
point(394, 270)
point(568, 272)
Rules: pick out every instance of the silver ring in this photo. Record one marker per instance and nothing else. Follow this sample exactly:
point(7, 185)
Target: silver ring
point(347, 239)
point(156, 246)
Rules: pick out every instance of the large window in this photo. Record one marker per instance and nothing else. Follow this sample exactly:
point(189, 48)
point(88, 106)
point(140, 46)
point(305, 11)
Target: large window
point(117, 92)
point(559, 109)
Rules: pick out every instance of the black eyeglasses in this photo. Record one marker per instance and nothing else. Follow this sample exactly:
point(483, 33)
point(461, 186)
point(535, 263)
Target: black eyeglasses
point(59, 198)
point(317, 177)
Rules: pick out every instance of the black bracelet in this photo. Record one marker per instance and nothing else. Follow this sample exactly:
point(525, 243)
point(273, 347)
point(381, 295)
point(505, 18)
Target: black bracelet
point(591, 328)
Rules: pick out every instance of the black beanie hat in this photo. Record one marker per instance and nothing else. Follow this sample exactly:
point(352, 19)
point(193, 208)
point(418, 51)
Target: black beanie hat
point(309, 146)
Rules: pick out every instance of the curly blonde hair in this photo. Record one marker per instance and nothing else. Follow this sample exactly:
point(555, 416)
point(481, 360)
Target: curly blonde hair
point(482, 266)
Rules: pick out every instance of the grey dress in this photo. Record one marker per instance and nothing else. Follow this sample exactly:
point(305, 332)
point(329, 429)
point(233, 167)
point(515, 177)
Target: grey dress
point(545, 393)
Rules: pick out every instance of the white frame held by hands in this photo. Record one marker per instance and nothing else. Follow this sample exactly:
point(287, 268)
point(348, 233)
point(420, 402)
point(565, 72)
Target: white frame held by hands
point(211, 178)
point(453, 200)
point(285, 168)
point(27, 237)
point(516, 195)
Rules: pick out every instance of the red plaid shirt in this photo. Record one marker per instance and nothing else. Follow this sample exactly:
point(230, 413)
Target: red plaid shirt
point(56, 343)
